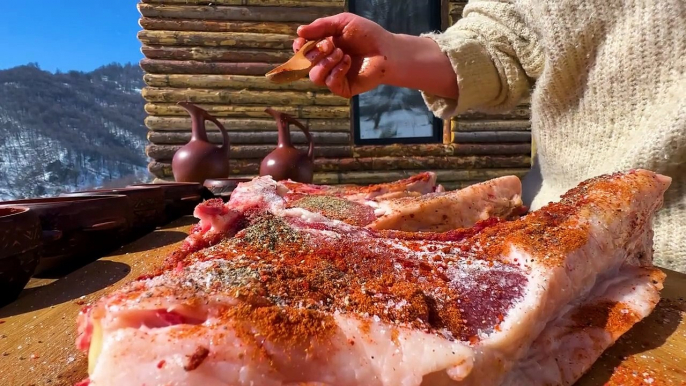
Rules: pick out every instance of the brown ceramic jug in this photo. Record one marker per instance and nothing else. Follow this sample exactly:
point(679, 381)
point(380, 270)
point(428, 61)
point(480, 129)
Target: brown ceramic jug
point(199, 159)
point(287, 162)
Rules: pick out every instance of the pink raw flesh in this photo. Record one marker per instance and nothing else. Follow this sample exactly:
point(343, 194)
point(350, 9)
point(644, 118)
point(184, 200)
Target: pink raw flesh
point(164, 318)
point(85, 382)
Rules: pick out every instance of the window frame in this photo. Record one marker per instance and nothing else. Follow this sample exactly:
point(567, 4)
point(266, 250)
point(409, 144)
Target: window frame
point(437, 21)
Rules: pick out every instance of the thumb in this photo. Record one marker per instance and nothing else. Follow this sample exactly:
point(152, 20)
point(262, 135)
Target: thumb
point(325, 26)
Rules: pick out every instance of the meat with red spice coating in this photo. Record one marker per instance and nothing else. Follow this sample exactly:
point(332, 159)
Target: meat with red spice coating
point(413, 204)
point(300, 298)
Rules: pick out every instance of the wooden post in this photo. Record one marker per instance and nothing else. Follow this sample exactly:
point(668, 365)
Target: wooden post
point(447, 131)
point(445, 14)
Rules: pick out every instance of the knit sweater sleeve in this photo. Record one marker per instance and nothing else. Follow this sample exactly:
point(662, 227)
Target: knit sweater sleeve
point(495, 56)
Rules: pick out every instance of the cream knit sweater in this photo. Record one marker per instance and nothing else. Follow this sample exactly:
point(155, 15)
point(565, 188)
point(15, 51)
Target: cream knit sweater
point(609, 92)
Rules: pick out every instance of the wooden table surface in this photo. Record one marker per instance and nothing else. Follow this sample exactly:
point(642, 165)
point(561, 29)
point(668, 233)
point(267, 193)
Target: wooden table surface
point(38, 331)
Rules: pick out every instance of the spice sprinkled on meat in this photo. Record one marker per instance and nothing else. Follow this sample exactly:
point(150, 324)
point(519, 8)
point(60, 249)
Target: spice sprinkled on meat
point(291, 296)
point(421, 284)
point(196, 359)
point(336, 208)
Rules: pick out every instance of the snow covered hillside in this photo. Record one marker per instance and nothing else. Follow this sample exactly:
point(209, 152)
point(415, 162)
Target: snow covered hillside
point(67, 131)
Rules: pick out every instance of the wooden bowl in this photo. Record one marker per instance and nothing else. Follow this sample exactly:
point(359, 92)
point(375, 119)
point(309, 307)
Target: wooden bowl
point(20, 248)
point(223, 187)
point(147, 203)
point(76, 229)
point(180, 198)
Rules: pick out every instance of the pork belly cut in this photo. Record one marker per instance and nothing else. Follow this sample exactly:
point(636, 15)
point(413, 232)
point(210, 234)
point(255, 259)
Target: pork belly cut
point(443, 211)
point(301, 298)
point(419, 208)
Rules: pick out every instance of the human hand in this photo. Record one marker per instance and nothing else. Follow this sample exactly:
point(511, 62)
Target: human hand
point(353, 57)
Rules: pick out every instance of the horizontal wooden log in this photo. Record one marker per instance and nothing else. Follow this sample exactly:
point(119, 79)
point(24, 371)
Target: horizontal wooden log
point(490, 125)
point(216, 39)
point(298, 3)
point(249, 138)
point(375, 177)
point(301, 112)
point(241, 97)
point(362, 178)
point(451, 179)
point(216, 54)
point(324, 178)
point(421, 163)
point(251, 124)
point(166, 152)
point(280, 3)
point(237, 13)
point(492, 137)
point(237, 167)
point(519, 112)
point(437, 150)
point(343, 165)
point(217, 26)
point(160, 170)
point(239, 82)
point(155, 66)
point(163, 170)
point(452, 162)
point(164, 174)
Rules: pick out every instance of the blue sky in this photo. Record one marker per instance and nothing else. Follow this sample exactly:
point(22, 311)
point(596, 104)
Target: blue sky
point(68, 34)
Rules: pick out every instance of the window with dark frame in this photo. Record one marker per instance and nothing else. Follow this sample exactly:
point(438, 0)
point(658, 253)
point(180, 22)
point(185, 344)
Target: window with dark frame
point(387, 114)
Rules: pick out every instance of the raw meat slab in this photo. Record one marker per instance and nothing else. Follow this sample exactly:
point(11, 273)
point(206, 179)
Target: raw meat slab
point(299, 298)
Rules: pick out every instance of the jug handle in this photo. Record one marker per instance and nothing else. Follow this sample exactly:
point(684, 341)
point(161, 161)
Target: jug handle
point(225, 135)
point(310, 150)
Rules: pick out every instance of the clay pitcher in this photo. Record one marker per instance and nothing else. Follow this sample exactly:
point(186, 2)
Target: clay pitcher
point(287, 162)
point(199, 159)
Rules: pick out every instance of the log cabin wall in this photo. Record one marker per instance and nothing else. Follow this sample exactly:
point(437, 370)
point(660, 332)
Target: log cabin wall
point(215, 53)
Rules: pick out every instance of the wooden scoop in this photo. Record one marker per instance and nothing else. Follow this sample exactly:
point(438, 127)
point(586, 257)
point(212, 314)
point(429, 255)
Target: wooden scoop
point(295, 68)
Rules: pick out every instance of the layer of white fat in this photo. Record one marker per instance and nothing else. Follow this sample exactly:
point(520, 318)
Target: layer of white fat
point(553, 290)
point(459, 208)
point(158, 356)
point(212, 223)
point(261, 192)
point(424, 187)
point(564, 351)
point(359, 352)
point(406, 358)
